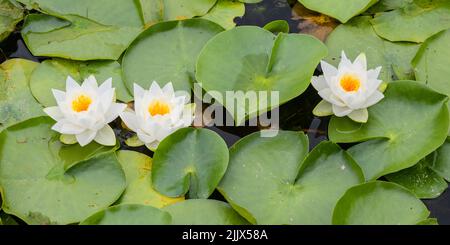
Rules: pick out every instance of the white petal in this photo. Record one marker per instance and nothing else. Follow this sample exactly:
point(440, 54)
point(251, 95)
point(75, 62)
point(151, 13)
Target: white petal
point(60, 96)
point(139, 92)
point(155, 90)
point(319, 83)
point(105, 86)
point(70, 128)
point(106, 99)
point(54, 112)
point(86, 137)
point(168, 90)
point(152, 146)
point(114, 111)
point(144, 137)
point(345, 62)
point(71, 84)
point(328, 95)
point(374, 98)
point(361, 62)
point(106, 136)
point(329, 71)
point(341, 111)
point(90, 83)
point(374, 73)
point(130, 119)
point(360, 116)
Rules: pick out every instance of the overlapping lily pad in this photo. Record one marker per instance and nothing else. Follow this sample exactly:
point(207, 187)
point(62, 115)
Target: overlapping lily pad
point(441, 163)
point(53, 183)
point(379, 203)
point(193, 160)
point(204, 212)
point(52, 74)
point(224, 13)
point(167, 52)
point(343, 11)
point(16, 102)
point(10, 15)
point(137, 168)
point(129, 214)
point(411, 122)
point(256, 60)
point(273, 181)
point(414, 22)
point(358, 36)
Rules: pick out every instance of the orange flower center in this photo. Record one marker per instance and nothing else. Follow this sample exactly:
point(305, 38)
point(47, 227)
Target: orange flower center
point(350, 83)
point(81, 103)
point(158, 107)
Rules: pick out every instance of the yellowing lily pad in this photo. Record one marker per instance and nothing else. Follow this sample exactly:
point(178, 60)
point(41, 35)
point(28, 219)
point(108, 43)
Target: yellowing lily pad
point(224, 13)
point(52, 74)
point(54, 183)
point(275, 181)
point(16, 102)
point(138, 169)
point(181, 163)
point(341, 10)
point(379, 203)
point(411, 122)
point(10, 15)
point(204, 212)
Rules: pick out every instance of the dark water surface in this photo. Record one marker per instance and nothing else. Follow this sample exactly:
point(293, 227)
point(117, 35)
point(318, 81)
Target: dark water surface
point(294, 115)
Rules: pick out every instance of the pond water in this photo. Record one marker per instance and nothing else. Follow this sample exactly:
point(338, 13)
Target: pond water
point(294, 115)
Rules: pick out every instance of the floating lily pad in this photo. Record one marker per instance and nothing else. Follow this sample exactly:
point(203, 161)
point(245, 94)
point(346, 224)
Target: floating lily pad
point(154, 11)
point(358, 36)
point(193, 160)
point(224, 13)
point(432, 63)
point(277, 26)
point(256, 60)
point(343, 11)
point(129, 214)
point(10, 15)
point(267, 183)
point(407, 125)
point(52, 74)
point(379, 203)
point(430, 221)
point(138, 169)
point(388, 5)
point(16, 101)
point(204, 212)
point(166, 52)
point(413, 22)
point(53, 183)
point(441, 161)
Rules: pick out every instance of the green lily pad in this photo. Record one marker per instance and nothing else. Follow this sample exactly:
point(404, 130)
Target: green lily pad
point(277, 26)
point(10, 15)
point(267, 183)
point(154, 11)
point(256, 60)
point(54, 183)
point(358, 36)
point(432, 61)
point(204, 212)
point(379, 203)
point(181, 163)
point(16, 101)
point(224, 13)
point(52, 74)
point(441, 161)
point(430, 221)
point(420, 179)
point(387, 5)
point(407, 125)
point(413, 22)
point(138, 169)
point(166, 52)
point(129, 214)
point(341, 10)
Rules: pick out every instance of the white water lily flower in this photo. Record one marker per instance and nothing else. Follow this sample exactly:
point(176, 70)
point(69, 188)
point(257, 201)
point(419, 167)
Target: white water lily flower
point(348, 90)
point(85, 110)
point(158, 113)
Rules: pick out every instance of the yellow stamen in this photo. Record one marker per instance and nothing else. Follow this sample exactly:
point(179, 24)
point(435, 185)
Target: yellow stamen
point(350, 83)
point(158, 108)
point(81, 103)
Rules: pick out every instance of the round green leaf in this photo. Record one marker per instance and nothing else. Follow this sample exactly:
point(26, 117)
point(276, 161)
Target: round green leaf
point(190, 159)
point(413, 22)
point(138, 170)
point(16, 101)
point(52, 74)
point(379, 203)
point(338, 9)
point(204, 212)
point(10, 15)
point(129, 214)
point(277, 26)
point(54, 183)
point(432, 61)
point(441, 160)
point(358, 36)
point(408, 124)
point(166, 52)
point(256, 60)
point(224, 13)
point(267, 183)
